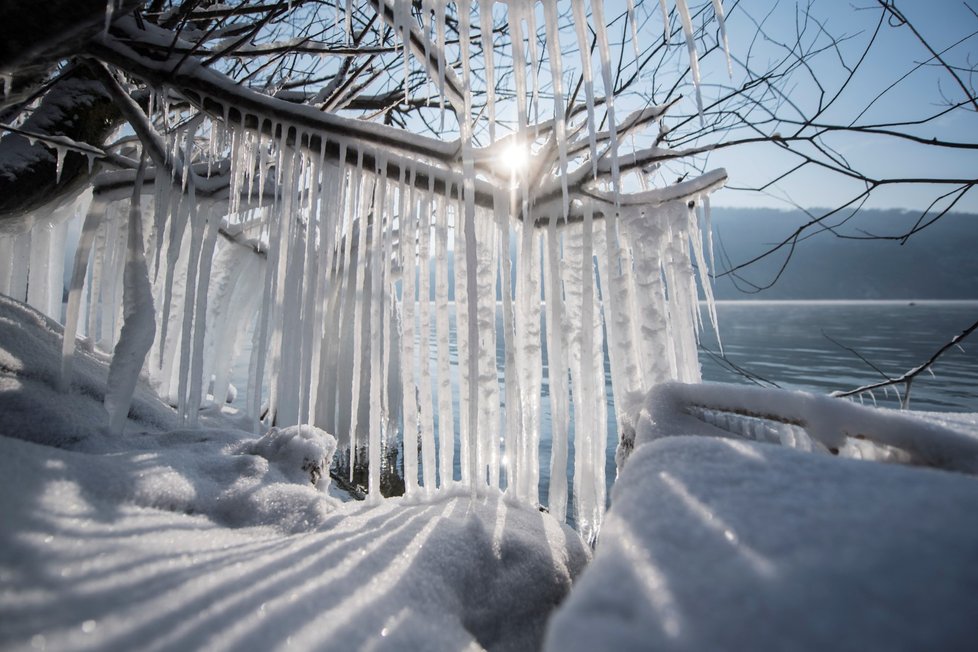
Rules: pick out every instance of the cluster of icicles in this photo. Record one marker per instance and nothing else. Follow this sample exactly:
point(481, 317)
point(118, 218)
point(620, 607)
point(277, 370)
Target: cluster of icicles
point(379, 309)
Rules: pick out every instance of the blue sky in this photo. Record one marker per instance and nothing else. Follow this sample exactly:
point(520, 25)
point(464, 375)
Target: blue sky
point(941, 22)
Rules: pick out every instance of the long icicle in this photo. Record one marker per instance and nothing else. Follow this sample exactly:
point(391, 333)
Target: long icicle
point(446, 438)
point(407, 217)
point(427, 407)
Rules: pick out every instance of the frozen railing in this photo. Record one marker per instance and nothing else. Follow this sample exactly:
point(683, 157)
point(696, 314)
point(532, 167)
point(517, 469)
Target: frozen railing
point(810, 422)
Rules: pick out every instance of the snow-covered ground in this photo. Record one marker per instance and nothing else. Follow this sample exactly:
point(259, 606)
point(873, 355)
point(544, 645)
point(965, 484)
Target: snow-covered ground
point(211, 539)
point(715, 543)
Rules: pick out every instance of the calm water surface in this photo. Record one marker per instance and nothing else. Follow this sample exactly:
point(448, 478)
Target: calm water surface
point(801, 345)
point(810, 346)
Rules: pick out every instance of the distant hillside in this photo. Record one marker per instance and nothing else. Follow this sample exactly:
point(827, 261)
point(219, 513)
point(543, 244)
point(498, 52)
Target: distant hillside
point(940, 262)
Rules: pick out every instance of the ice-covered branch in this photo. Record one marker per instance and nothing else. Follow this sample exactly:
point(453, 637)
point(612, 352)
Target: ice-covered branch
point(907, 378)
point(430, 54)
point(672, 409)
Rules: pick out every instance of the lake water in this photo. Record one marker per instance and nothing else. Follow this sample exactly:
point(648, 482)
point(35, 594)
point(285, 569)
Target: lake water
point(791, 344)
point(806, 345)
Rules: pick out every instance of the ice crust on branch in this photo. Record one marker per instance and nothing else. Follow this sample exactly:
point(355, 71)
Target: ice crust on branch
point(397, 290)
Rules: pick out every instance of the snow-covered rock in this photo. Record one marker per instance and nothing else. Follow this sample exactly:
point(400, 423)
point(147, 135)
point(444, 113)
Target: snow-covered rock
point(718, 544)
point(93, 556)
point(303, 453)
point(207, 538)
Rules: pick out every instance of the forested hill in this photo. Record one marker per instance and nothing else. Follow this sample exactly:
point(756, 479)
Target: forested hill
point(939, 262)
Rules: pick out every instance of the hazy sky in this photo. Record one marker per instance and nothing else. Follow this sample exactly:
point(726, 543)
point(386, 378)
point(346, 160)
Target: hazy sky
point(926, 91)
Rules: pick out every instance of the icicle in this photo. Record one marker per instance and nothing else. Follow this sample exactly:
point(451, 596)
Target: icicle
point(428, 451)
point(648, 316)
point(359, 309)
point(233, 306)
point(604, 50)
point(376, 333)
point(113, 267)
point(446, 436)
point(139, 328)
point(93, 219)
point(191, 132)
point(665, 20)
point(516, 13)
point(346, 301)
point(718, 12)
point(557, 378)
point(487, 382)
point(514, 408)
point(286, 350)
point(60, 152)
point(460, 286)
point(19, 266)
point(196, 243)
point(197, 378)
point(621, 314)
point(556, 74)
point(531, 26)
point(266, 318)
point(485, 27)
point(407, 217)
point(529, 362)
point(331, 203)
point(631, 21)
point(390, 400)
point(683, 308)
point(176, 221)
point(402, 25)
point(580, 25)
point(6, 263)
point(94, 278)
point(315, 276)
point(585, 433)
point(694, 62)
point(699, 230)
point(37, 268)
point(441, 9)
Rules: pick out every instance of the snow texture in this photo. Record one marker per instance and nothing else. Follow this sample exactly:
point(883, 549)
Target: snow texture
point(802, 420)
point(713, 544)
point(246, 227)
point(300, 452)
point(206, 538)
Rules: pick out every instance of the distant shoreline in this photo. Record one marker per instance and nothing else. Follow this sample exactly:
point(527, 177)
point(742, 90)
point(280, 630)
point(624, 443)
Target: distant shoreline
point(852, 302)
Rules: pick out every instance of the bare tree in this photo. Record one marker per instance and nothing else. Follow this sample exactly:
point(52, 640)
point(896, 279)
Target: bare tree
point(615, 117)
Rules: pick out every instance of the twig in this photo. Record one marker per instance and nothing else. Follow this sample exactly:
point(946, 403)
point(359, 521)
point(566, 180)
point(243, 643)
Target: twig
point(908, 377)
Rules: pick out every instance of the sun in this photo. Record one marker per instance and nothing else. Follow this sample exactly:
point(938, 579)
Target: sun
point(515, 158)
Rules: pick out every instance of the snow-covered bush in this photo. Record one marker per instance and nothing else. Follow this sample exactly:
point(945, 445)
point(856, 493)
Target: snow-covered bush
point(301, 453)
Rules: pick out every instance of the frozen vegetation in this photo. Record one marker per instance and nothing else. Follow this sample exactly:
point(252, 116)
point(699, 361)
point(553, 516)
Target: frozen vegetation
point(211, 538)
point(349, 262)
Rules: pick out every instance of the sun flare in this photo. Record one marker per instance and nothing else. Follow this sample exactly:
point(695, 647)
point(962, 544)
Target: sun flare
point(515, 158)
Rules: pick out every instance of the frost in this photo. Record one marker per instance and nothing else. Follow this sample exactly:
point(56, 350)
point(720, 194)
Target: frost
point(374, 287)
point(302, 453)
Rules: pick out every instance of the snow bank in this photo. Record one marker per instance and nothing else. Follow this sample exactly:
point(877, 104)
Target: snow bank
point(304, 453)
point(85, 563)
point(34, 410)
point(714, 544)
point(208, 538)
point(800, 420)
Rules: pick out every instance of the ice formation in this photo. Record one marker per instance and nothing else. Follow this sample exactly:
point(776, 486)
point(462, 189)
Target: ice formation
point(355, 261)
